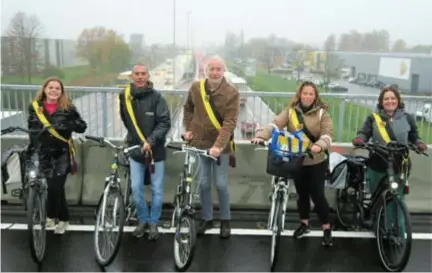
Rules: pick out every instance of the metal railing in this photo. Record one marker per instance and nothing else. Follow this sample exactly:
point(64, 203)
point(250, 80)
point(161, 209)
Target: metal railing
point(99, 107)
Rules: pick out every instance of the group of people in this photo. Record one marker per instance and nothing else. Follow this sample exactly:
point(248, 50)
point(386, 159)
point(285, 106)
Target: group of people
point(210, 117)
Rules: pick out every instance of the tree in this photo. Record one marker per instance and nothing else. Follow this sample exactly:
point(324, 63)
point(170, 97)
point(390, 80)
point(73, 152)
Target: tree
point(105, 50)
point(330, 43)
point(297, 58)
point(368, 41)
point(22, 44)
point(399, 46)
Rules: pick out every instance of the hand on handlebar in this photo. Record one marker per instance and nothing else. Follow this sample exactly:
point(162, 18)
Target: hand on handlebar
point(215, 152)
point(421, 146)
point(358, 142)
point(187, 136)
point(146, 147)
point(258, 141)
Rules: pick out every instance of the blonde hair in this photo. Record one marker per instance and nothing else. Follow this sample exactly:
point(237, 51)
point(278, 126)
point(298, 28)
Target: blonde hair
point(63, 102)
point(318, 101)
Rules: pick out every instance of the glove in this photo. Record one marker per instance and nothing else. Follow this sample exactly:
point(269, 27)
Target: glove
point(358, 141)
point(421, 146)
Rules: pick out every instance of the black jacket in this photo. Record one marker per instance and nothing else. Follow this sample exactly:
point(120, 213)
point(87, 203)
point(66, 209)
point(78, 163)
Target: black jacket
point(153, 118)
point(54, 153)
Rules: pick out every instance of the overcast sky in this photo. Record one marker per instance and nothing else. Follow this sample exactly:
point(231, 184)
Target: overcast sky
point(308, 21)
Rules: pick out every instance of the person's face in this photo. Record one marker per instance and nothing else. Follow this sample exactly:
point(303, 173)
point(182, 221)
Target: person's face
point(140, 76)
point(390, 101)
point(307, 96)
point(215, 71)
point(53, 91)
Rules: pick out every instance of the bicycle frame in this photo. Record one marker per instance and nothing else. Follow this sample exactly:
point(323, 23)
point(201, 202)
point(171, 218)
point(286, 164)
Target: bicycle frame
point(113, 181)
point(280, 192)
point(389, 185)
point(184, 186)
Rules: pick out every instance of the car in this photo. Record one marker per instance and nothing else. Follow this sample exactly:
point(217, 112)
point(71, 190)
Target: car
point(333, 87)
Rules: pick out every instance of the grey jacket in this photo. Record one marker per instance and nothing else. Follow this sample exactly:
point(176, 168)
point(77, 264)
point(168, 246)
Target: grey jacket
point(403, 126)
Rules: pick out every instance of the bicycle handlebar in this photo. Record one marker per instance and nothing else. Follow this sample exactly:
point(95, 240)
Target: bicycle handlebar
point(186, 148)
point(103, 142)
point(39, 132)
point(392, 147)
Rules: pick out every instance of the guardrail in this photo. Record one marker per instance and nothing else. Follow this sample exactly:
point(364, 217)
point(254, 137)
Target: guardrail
point(248, 183)
point(98, 106)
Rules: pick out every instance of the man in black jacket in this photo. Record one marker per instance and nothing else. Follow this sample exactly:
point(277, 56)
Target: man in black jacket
point(153, 119)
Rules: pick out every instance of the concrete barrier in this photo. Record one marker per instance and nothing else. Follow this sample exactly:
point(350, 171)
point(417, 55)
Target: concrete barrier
point(249, 184)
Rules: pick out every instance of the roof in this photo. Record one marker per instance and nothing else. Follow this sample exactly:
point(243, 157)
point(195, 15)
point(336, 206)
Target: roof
point(386, 54)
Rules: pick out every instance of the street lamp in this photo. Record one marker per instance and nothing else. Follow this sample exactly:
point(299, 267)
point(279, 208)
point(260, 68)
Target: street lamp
point(174, 41)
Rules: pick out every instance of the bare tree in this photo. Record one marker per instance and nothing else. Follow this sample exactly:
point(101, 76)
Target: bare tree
point(23, 31)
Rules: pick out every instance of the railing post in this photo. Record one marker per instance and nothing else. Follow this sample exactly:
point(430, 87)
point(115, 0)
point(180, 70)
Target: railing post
point(341, 120)
point(104, 114)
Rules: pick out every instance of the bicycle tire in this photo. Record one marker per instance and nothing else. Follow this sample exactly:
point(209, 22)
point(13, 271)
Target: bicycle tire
point(183, 266)
point(275, 241)
point(379, 226)
point(36, 200)
point(105, 261)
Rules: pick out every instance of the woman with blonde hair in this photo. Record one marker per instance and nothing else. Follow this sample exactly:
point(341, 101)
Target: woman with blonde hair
point(307, 112)
point(52, 105)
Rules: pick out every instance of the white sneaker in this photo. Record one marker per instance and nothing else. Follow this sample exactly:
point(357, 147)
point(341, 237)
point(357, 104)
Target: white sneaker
point(61, 227)
point(50, 223)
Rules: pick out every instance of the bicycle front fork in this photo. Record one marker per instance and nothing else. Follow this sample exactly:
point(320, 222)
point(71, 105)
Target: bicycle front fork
point(277, 195)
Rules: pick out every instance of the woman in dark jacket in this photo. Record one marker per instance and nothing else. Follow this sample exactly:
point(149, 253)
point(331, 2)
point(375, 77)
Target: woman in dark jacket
point(55, 155)
point(391, 110)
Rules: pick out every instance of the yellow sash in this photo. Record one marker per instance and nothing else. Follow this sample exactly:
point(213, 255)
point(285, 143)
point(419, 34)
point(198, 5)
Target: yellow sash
point(381, 128)
point(128, 102)
point(210, 112)
point(52, 131)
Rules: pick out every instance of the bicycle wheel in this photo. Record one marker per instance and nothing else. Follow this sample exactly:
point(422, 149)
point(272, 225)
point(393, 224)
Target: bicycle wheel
point(184, 242)
point(109, 227)
point(276, 234)
point(346, 207)
point(393, 232)
point(36, 220)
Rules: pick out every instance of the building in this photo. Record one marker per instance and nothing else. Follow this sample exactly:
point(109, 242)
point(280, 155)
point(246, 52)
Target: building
point(412, 72)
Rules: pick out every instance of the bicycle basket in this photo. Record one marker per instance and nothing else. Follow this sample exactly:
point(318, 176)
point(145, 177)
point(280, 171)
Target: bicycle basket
point(286, 154)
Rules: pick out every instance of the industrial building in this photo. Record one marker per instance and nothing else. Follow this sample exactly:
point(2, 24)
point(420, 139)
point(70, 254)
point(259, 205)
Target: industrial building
point(412, 72)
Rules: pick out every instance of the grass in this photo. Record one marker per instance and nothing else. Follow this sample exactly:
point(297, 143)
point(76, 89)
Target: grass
point(71, 74)
point(351, 119)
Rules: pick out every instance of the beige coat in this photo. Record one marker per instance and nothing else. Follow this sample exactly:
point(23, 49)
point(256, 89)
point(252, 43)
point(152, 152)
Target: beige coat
point(322, 129)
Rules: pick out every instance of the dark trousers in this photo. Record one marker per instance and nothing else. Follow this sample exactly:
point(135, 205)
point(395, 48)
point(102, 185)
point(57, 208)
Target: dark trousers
point(310, 185)
point(56, 204)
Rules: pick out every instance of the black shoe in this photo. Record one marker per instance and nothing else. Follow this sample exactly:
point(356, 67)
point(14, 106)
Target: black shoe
point(203, 226)
point(302, 230)
point(327, 239)
point(154, 232)
point(225, 229)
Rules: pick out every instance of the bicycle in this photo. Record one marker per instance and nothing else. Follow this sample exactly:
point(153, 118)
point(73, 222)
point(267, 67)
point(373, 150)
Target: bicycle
point(184, 212)
point(107, 221)
point(279, 198)
point(375, 207)
point(34, 193)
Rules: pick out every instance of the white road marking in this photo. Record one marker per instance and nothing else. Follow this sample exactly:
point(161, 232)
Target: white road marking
point(234, 231)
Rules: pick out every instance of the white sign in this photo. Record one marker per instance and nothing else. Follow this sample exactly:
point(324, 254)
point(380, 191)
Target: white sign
point(398, 68)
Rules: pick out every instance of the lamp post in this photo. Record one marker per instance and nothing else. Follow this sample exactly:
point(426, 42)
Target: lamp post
point(174, 41)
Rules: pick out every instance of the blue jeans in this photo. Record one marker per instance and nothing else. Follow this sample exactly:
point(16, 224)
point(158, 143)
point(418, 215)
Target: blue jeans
point(208, 171)
point(137, 173)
